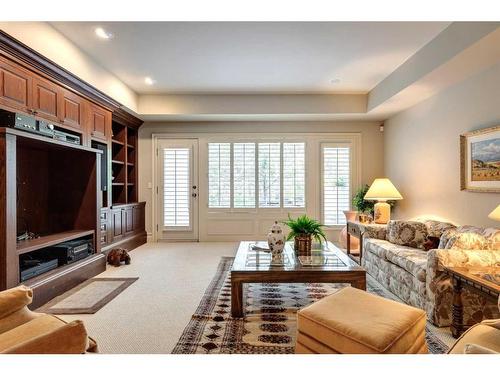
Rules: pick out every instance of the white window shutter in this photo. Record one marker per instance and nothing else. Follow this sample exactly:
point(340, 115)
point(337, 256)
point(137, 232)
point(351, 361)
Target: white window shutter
point(244, 175)
point(176, 187)
point(336, 184)
point(269, 174)
point(294, 174)
point(219, 175)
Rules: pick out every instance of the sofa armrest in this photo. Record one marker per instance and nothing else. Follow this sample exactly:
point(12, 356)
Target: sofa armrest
point(437, 259)
point(70, 338)
point(14, 299)
point(376, 231)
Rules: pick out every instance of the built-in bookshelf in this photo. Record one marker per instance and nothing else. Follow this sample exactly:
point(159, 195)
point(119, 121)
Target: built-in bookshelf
point(123, 164)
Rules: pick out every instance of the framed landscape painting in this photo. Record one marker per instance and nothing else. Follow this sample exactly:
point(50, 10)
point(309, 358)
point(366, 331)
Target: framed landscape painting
point(480, 160)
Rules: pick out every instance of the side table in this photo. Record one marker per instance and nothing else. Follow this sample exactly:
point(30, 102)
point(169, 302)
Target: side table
point(484, 280)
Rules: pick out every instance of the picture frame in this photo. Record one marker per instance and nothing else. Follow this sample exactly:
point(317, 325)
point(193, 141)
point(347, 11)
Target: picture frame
point(480, 160)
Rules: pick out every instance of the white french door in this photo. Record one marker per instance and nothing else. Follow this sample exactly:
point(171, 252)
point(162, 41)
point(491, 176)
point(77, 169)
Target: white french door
point(177, 190)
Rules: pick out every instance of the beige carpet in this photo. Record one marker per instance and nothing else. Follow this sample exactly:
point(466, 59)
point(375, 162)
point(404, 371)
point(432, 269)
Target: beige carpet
point(150, 315)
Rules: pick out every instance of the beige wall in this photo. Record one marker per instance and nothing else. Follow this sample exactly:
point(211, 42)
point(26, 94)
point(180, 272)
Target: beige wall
point(65, 53)
point(422, 151)
point(372, 144)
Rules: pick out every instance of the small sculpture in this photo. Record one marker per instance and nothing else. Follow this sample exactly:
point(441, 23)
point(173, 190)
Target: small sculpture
point(118, 255)
point(276, 242)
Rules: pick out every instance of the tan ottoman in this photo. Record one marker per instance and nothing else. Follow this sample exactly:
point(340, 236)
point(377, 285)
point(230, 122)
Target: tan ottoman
point(352, 321)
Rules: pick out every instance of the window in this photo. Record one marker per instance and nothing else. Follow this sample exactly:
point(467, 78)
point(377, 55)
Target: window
point(336, 183)
point(293, 175)
point(241, 173)
point(244, 175)
point(219, 175)
point(269, 175)
point(176, 181)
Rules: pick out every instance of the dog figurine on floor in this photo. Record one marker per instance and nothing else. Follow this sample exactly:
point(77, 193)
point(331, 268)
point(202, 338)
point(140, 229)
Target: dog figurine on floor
point(118, 255)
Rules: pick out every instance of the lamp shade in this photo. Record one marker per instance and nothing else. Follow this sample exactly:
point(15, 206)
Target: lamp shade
point(495, 214)
point(382, 189)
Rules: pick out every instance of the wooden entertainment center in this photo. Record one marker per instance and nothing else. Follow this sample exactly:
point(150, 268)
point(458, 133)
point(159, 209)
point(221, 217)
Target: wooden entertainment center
point(54, 188)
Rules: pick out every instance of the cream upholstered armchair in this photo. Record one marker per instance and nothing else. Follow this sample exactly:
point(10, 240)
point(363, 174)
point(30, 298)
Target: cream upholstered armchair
point(482, 338)
point(26, 332)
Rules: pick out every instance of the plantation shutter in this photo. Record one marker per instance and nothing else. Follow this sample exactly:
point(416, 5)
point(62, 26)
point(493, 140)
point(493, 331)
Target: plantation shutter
point(269, 164)
point(176, 187)
point(336, 183)
point(293, 174)
point(244, 175)
point(219, 175)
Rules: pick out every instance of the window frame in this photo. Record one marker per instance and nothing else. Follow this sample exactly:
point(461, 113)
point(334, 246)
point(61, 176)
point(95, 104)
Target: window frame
point(353, 183)
point(262, 139)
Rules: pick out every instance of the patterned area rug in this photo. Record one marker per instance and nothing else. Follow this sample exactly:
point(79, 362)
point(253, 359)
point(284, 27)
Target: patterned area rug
point(270, 317)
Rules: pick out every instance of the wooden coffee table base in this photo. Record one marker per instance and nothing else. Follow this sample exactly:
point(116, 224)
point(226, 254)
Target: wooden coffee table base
point(356, 278)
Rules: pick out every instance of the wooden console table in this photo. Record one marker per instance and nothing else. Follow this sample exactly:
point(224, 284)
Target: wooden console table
point(484, 280)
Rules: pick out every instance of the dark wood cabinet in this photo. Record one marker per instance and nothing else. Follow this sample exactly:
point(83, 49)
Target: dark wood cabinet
point(72, 112)
point(15, 87)
point(126, 226)
point(47, 99)
point(64, 176)
point(99, 123)
point(116, 224)
point(138, 217)
point(128, 219)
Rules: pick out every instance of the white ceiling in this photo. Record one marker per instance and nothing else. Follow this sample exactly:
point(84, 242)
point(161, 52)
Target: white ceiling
point(252, 57)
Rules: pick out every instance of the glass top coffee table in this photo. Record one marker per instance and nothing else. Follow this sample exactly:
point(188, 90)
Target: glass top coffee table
point(327, 264)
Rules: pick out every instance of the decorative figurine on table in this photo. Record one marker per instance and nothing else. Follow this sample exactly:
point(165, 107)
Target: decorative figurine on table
point(276, 242)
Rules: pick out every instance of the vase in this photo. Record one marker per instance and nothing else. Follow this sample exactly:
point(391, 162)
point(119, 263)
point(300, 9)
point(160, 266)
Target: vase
point(350, 216)
point(276, 243)
point(303, 244)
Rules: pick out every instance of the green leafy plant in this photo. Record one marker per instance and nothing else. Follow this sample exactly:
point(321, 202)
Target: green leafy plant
point(363, 205)
point(305, 226)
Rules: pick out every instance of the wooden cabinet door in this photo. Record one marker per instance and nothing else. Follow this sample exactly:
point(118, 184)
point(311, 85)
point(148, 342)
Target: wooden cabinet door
point(15, 87)
point(117, 228)
point(100, 123)
point(136, 217)
point(128, 220)
point(72, 109)
point(139, 218)
point(47, 99)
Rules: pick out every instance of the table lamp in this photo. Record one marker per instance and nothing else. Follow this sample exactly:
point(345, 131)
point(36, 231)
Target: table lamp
point(382, 190)
point(495, 214)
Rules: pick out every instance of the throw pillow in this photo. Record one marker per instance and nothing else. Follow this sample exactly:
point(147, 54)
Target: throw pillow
point(407, 233)
point(431, 242)
point(468, 241)
point(436, 228)
point(445, 237)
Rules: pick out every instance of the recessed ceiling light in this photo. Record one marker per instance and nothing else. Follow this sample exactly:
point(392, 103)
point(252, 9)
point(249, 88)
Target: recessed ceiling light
point(335, 81)
point(149, 81)
point(103, 34)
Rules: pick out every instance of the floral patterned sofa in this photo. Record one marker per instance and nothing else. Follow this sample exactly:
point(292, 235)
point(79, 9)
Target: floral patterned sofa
point(396, 256)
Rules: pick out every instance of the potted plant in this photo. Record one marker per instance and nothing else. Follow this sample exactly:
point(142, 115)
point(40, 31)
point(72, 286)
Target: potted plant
point(303, 230)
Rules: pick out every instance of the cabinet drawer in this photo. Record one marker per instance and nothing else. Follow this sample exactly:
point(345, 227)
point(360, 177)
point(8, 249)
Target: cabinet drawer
point(104, 215)
point(104, 226)
point(104, 238)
